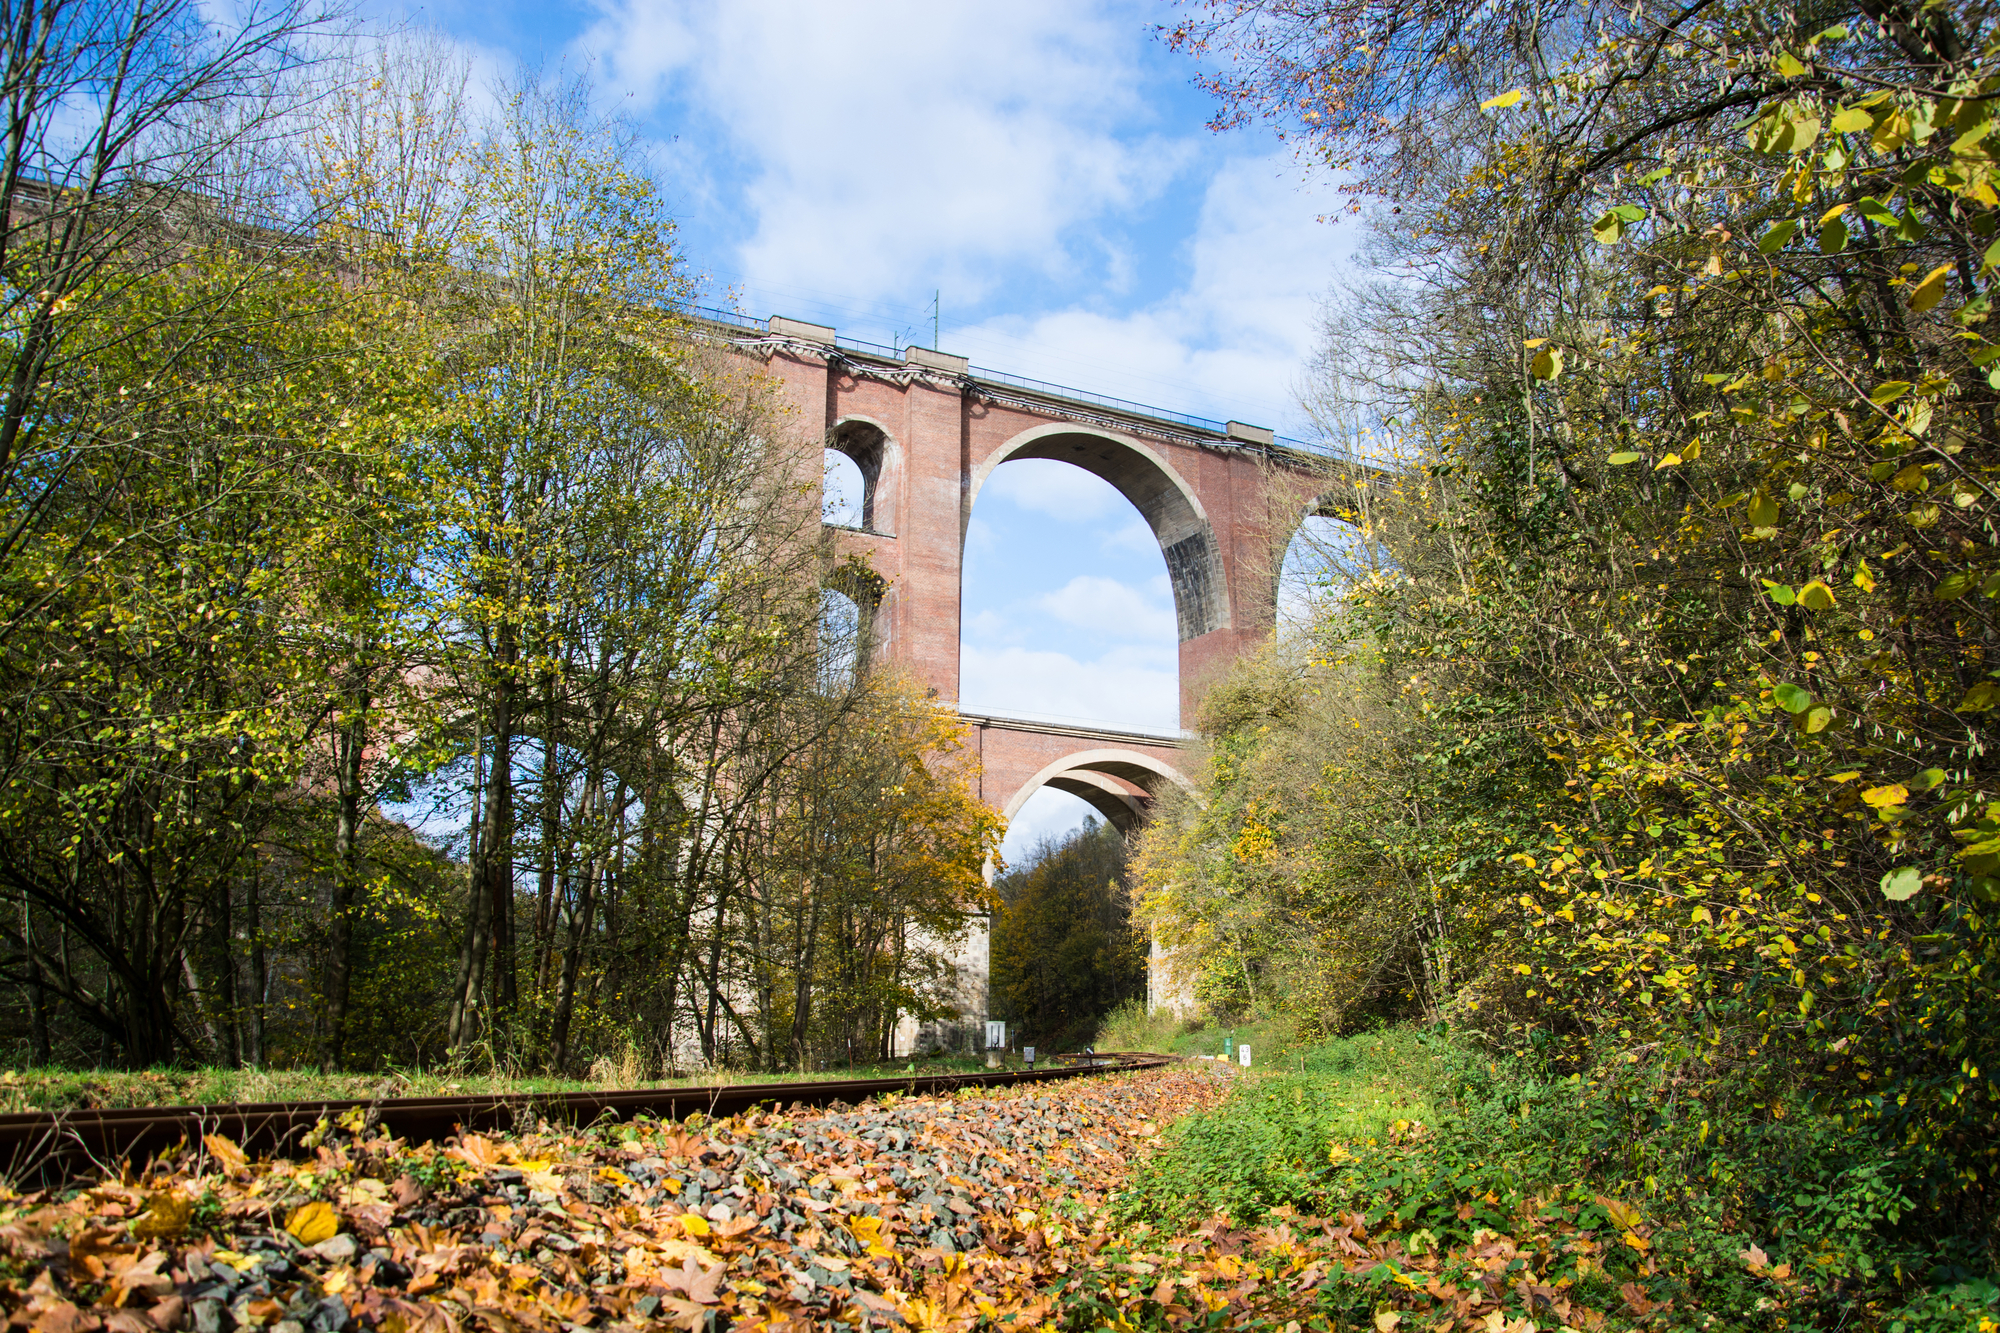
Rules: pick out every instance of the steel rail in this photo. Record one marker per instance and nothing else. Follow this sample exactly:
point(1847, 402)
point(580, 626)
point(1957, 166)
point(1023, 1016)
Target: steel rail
point(47, 1147)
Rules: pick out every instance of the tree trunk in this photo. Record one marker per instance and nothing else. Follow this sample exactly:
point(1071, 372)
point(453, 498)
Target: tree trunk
point(228, 983)
point(259, 973)
point(686, 872)
point(204, 1006)
point(350, 741)
point(545, 886)
point(713, 978)
point(497, 850)
point(464, 997)
point(38, 1013)
point(579, 934)
point(804, 957)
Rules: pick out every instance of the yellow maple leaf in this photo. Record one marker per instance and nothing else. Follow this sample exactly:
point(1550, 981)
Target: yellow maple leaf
point(868, 1230)
point(167, 1214)
point(311, 1223)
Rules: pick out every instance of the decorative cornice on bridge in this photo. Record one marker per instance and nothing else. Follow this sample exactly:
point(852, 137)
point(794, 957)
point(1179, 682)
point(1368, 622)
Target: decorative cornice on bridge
point(923, 365)
point(1077, 731)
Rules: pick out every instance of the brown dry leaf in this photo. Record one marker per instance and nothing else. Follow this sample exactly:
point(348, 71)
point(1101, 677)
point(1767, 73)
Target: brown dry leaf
point(140, 1276)
point(698, 1284)
point(475, 1150)
point(90, 1252)
point(683, 1145)
point(227, 1155)
point(686, 1314)
point(371, 1220)
point(62, 1317)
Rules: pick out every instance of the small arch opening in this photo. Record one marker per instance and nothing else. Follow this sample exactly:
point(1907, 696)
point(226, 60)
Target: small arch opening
point(841, 634)
point(1330, 552)
point(1314, 560)
point(844, 499)
point(1048, 815)
point(862, 446)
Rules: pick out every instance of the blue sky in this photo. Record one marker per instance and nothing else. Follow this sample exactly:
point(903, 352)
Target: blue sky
point(1044, 172)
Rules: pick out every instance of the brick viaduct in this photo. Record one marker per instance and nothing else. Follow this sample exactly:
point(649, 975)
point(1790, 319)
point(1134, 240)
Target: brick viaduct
point(926, 431)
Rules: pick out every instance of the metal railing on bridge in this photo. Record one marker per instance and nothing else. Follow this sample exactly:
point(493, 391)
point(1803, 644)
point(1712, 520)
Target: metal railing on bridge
point(1207, 426)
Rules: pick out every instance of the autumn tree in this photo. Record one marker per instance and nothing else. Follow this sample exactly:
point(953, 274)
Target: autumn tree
point(1064, 953)
point(1678, 676)
point(862, 874)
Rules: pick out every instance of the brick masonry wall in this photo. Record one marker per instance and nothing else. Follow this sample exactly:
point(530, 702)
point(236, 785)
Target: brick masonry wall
point(1220, 515)
point(942, 443)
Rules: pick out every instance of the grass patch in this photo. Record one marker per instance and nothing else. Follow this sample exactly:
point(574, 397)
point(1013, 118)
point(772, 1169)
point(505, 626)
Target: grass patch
point(1129, 1027)
point(70, 1089)
point(1270, 1144)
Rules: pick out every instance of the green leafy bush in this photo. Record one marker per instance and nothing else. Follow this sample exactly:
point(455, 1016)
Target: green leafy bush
point(1742, 1211)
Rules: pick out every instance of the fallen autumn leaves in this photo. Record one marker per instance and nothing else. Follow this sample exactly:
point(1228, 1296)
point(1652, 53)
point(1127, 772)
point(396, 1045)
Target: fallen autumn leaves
point(932, 1211)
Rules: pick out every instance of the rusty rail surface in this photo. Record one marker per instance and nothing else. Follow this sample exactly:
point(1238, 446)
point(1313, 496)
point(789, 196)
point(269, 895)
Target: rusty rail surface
point(46, 1147)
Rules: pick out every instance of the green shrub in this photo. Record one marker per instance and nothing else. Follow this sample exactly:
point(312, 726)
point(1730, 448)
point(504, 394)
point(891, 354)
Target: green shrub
point(1130, 1028)
point(1425, 1137)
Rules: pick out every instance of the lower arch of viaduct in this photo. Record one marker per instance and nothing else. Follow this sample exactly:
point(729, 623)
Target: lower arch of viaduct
point(1117, 773)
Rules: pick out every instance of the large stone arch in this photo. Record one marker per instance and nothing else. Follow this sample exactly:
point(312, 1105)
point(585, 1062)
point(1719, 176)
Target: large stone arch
point(1161, 495)
point(1104, 779)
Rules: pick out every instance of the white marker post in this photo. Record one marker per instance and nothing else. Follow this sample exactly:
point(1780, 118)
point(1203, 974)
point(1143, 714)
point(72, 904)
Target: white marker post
point(1243, 1054)
point(1028, 1055)
point(996, 1041)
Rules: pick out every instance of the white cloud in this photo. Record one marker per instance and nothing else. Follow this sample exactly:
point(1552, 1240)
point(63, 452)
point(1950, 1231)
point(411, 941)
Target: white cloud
point(1060, 490)
point(1046, 814)
point(987, 624)
point(1127, 687)
point(908, 146)
point(1112, 609)
point(1134, 537)
point(1232, 340)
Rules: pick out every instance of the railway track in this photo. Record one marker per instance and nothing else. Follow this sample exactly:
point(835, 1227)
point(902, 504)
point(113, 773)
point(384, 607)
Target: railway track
point(45, 1148)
